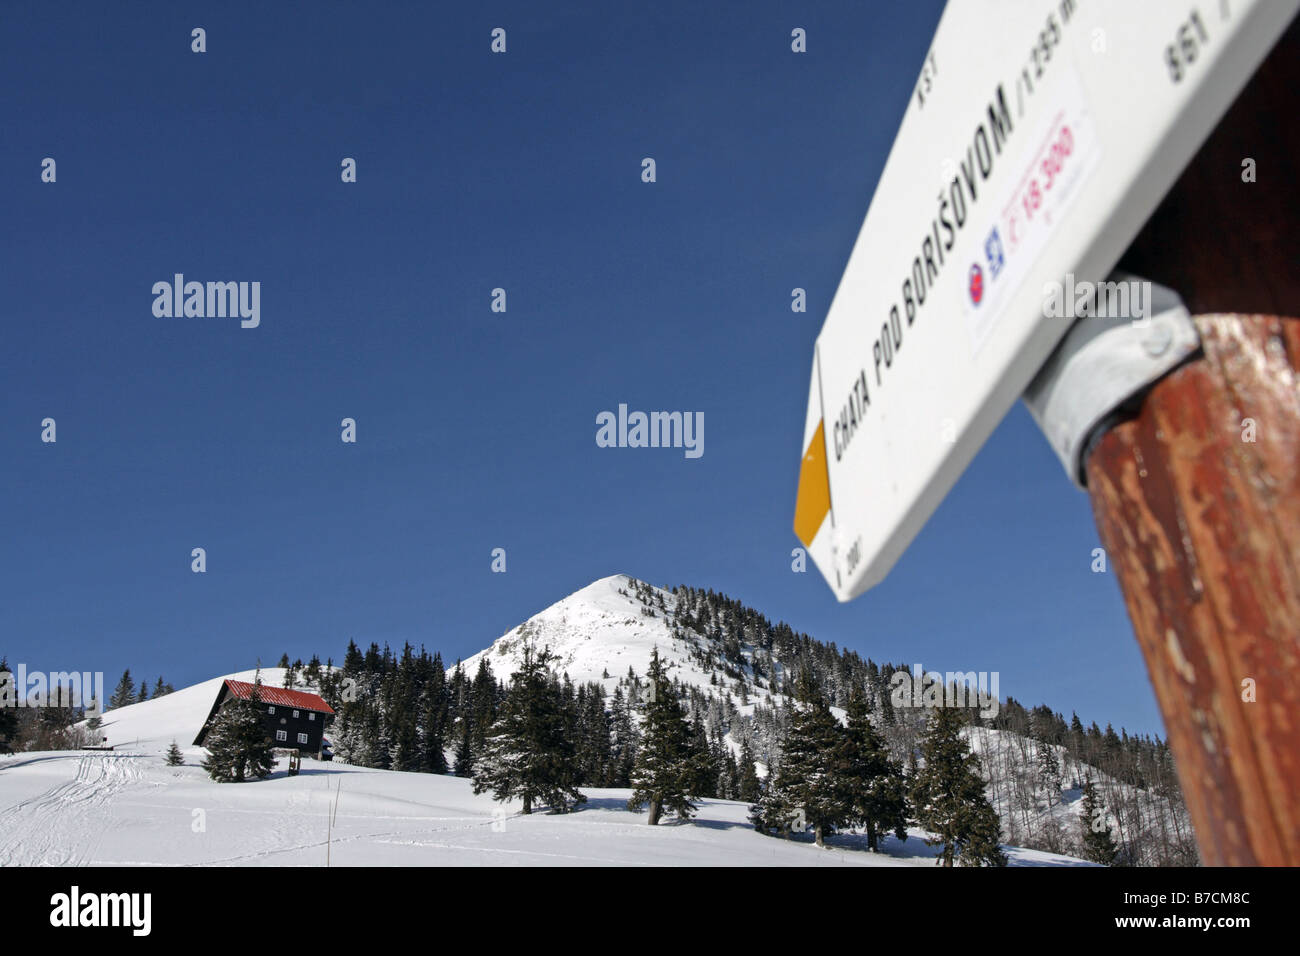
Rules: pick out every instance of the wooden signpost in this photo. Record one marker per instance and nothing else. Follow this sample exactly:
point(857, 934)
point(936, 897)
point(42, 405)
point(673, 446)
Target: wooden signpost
point(1197, 495)
point(1193, 469)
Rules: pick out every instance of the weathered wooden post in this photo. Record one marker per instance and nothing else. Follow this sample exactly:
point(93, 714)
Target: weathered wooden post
point(1197, 497)
point(1198, 503)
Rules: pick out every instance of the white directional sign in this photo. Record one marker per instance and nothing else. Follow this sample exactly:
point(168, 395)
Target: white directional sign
point(1040, 137)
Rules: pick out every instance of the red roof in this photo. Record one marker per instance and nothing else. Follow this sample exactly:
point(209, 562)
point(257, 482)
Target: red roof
point(282, 696)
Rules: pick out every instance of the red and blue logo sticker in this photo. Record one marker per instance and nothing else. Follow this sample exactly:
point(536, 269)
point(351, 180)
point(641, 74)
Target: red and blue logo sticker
point(976, 283)
point(996, 257)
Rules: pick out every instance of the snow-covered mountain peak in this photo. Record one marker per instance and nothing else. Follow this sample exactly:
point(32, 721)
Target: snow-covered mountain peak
point(602, 629)
point(600, 632)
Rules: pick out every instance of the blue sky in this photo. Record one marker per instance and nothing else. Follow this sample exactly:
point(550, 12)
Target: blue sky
point(476, 430)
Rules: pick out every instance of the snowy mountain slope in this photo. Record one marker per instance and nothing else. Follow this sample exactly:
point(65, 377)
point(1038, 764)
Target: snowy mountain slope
point(127, 808)
point(1144, 820)
point(151, 725)
point(610, 626)
point(600, 632)
point(595, 631)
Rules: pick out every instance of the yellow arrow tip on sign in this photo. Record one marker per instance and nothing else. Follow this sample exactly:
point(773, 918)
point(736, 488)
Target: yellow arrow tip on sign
point(813, 500)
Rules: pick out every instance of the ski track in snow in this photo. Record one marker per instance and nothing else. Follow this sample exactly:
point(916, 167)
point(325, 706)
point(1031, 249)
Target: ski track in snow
point(63, 826)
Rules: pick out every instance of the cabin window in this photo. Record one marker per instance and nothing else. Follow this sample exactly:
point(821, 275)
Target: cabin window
point(270, 710)
point(281, 735)
point(302, 738)
point(311, 715)
point(295, 714)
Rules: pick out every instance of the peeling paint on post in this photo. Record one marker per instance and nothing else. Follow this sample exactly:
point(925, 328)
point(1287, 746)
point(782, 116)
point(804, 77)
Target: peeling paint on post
point(1203, 529)
point(1198, 497)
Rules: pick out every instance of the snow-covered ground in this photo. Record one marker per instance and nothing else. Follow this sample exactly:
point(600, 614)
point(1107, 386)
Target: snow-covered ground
point(126, 807)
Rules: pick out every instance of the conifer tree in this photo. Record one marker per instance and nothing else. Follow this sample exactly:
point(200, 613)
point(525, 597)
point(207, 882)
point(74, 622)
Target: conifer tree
point(875, 790)
point(143, 695)
point(706, 761)
point(667, 765)
point(377, 725)
point(729, 777)
point(433, 707)
point(770, 813)
point(402, 711)
point(463, 755)
point(1098, 845)
point(1076, 731)
point(593, 737)
point(808, 790)
point(1049, 771)
point(887, 714)
point(124, 693)
point(949, 796)
point(748, 787)
point(626, 740)
point(346, 734)
point(484, 693)
point(237, 742)
point(8, 710)
point(174, 756)
point(527, 753)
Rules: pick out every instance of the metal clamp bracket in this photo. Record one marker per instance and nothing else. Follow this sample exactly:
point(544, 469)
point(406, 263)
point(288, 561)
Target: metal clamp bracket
point(1104, 361)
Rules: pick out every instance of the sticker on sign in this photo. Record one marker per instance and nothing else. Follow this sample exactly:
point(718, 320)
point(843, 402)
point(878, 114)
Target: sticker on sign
point(1040, 138)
